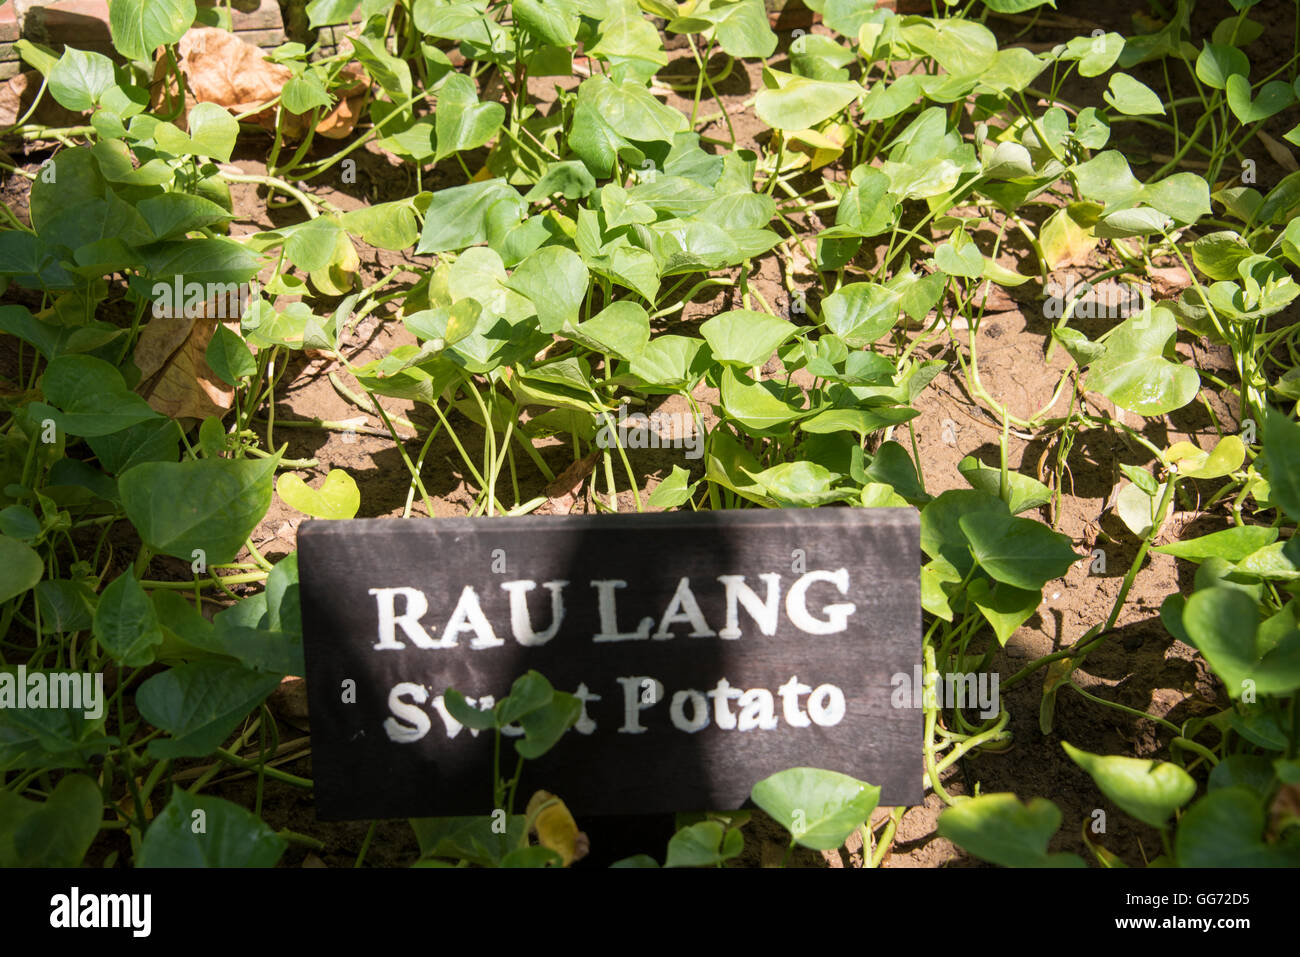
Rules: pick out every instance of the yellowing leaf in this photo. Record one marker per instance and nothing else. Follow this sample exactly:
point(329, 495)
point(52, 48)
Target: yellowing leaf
point(824, 146)
point(338, 496)
point(1194, 462)
point(555, 827)
point(1064, 241)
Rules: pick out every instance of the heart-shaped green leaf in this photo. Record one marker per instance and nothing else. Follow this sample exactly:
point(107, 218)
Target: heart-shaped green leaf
point(79, 78)
point(59, 832)
point(740, 26)
point(745, 338)
point(1149, 790)
point(1193, 462)
point(544, 726)
point(212, 132)
point(554, 22)
point(1023, 492)
point(528, 693)
point(555, 281)
point(126, 624)
point(20, 568)
point(470, 715)
point(302, 94)
point(622, 329)
point(1133, 97)
point(861, 421)
point(1003, 606)
point(229, 356)
point(801, 102)
point(1096, 54)
point(208, 831)
point(801, 485)
point(1134, 372)
point(861, 312)
point(1018, 551)
point(458, 216)
point(1217, 254)
point(999, 829)
point(673, 491)
point(706, 844)
point(1218, 61)
point(1223, 624)
point(819, 808)
point(672, 361)
point(171, 215)
point(461, 121)
point(338, 497)
point(963, 48)
point(1231, 544)
point(959, 261)
point(1225, 829)
point(941, 531)
point(632, 111)
point(141, 26)
point(757, 406)
point(211, 505)
point(91, 397)
point(200, 704)
point(1274, 97)
point(311, 246)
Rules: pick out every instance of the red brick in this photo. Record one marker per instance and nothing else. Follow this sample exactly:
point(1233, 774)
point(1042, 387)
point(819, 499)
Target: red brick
point(8, 57)
point(8, 22)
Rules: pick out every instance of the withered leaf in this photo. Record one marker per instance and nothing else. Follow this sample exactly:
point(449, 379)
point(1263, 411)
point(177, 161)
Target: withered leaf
point(221, 68)
point(176, 378)
point(555, 827)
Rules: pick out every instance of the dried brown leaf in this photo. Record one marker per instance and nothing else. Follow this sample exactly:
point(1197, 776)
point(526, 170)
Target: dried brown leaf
point(159, 341)
point(563, 493)
point(177, 380)
point(1169, 281)
point(288, 702)
point(221, 68)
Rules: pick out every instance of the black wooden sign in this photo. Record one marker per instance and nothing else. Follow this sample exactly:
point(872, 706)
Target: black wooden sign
point(710, 649)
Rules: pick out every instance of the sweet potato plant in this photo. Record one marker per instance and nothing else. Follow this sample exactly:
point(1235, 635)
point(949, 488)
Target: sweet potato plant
point(566, 217)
